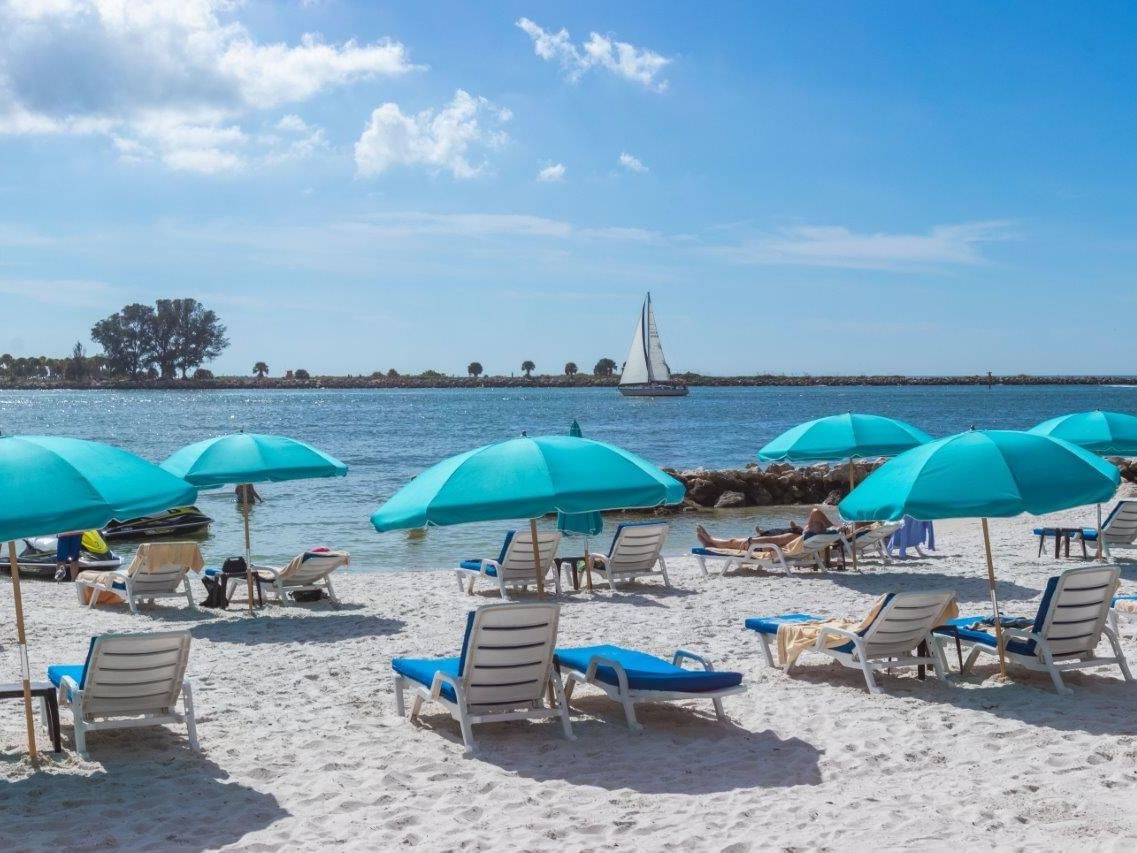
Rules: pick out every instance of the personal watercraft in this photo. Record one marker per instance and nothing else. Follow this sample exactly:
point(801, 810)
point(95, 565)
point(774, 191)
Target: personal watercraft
point(179, 521)
point(38, 556)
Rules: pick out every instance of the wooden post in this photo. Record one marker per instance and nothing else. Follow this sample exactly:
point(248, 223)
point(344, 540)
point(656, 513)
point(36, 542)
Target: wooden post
point(1101, 544)
point(248, 548)
point(994, 600)
point(22, 644)
point(853, 540)
point(587, 565)
point(537, 567)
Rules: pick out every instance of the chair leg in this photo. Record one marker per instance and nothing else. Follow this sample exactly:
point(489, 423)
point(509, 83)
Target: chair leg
point(467, 729)
point(719, 713)
point(630, 714)
point(331, 592)
point(189, 593)
point(765, 638)
point(416, 706)
point(461, 580)
point(562, 704)
point(570, 684)
point(80, 733)
point(1111, 635)
point(1056, 677)
point(969, 661)
point(400, 703)
point(702, 561)
point(191, 723)
point(663, 571)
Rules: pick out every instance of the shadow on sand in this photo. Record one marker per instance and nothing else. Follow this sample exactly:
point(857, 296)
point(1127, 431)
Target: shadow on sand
point(300, 628)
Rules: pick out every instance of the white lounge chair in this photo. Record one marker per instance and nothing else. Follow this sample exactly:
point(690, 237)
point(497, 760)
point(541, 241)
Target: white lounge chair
point(505, 667)
point(310, 571)
point(873, 540)
point(1064, 634)
point(158, 570)
point(769, 556)
point(513, 569)
point(902, 621)
point(630, 676)
point(635, 552)
point(1119, 530)
point(128, 681)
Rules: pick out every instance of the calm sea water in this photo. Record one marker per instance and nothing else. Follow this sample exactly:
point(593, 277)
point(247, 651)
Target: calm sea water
point(386, 437)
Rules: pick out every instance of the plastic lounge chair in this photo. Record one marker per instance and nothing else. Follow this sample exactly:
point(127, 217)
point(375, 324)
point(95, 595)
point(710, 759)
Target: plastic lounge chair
point(1119, 530)
point(768, 556)
point(903, 621)
point(872, 540)
point(635, 552)
point(310, 571)
point(128, 681)
point(504, 669)
point(1121, 605)
point(168, 576)
point(514, 566)
point(1064, 634)
point(629, 676)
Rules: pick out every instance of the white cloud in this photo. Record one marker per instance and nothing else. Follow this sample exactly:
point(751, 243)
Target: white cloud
point(632, 164)
point(69, 292)
point(552, 173)
point(164, 80)
point(637, 64)
point(837, 246)
point(437, 139)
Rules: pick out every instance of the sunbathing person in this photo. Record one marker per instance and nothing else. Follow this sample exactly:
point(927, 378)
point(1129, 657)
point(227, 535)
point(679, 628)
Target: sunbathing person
point(818, 522)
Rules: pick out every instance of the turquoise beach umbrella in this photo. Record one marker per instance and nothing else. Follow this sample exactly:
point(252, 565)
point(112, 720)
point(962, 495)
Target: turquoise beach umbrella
point(528, 478)
point(57, 484)
point(243, 458)
point(586, 523)
point(1113, 433)
point(983, 474)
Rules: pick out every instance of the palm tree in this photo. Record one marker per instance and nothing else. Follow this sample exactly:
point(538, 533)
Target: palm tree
point(528, 367)
point(570, 369)
point(474, 368)
point(260, 369)
point(604, 367)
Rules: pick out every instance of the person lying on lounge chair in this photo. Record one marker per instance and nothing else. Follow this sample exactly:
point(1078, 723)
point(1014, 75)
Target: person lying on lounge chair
point(818, 522)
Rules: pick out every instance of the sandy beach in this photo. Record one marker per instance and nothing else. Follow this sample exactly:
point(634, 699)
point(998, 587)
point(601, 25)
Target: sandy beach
point(301, 746)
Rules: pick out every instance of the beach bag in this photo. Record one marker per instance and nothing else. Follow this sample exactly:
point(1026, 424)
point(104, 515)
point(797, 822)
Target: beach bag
point(215, 591)
point(307, 594)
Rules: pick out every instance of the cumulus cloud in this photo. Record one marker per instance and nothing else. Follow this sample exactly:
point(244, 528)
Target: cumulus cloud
point(632, 164)
point(636, 64)
point(552, 173)
point(171, 81)
point(437, 139)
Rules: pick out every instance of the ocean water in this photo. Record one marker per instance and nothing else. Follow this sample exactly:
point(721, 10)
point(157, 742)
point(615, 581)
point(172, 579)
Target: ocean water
point(388, 436)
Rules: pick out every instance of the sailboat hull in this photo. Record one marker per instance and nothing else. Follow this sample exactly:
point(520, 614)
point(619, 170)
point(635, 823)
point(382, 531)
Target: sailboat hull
point(653, 389)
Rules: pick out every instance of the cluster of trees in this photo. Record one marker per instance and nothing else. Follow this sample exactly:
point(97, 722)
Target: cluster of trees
point(162, 339)
point(604, 367)
point(78, 366)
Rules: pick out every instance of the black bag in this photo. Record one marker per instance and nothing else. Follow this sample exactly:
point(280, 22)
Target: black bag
point(307, 594)
point(215, 591)
point(234, 566)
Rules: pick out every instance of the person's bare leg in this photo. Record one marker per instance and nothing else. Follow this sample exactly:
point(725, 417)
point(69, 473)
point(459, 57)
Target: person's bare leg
point(818, 522)
point(708, 541)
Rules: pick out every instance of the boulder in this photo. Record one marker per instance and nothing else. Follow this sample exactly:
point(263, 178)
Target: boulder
point(702, 491)
point(729, 500)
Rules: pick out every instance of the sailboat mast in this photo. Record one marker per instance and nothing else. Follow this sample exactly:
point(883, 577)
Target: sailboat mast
point(645, 329)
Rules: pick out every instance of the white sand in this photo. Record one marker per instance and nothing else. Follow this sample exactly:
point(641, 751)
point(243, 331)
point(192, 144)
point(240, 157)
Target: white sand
point(302, 748)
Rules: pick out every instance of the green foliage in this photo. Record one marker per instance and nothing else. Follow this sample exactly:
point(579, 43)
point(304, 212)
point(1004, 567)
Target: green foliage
point(528, 367)
point(571, 369)
point(302, 374)
point(474, 368)
point(173, 335)
point(202, 373)
point(604, 367)
point(260, 369)
point(392, 374)
point(431, 374)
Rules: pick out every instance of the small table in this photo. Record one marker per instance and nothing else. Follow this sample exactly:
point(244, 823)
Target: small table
point(571, 562)
point(1060, 534)
point(45, 690)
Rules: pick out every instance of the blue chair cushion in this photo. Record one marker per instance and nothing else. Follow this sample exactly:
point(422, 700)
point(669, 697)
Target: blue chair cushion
point(1113, 601)
point(1090, 534)
point(769, 624)
point(476, 566)
point(1045, 531)
point(985, 638)
point(57, 672)
point(646, 672)
point(422, 670)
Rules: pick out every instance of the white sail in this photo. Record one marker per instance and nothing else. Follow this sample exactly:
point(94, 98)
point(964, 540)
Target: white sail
point(657, 369)
point(635, 371)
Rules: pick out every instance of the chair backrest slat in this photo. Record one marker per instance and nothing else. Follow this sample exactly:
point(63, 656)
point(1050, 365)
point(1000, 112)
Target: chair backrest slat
point(313, 568)
point(517, 564)
point(1075, 608)
point(1120, 528)
point(636, 547)
point(904, 620)
point(135, 673)
point(508, 653)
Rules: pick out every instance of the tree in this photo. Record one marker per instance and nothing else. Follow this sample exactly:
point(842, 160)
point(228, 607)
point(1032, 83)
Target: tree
point(302, 374)
point(202, 373)
point(76, 368)
point(198, 334)
point(392, 374)
point(474, 368)
point(126, 338)
point(260, 369)
point(570, 369)
point(604, 367)
point(528, 367)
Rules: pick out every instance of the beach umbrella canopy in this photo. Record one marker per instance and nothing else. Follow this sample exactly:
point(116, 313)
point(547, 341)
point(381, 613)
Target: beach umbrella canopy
point(242, 458)
point(984, 474)
point(1100, 432)
point(55, 484)
point(847, 436)
point(528, 477)
point(586, 523)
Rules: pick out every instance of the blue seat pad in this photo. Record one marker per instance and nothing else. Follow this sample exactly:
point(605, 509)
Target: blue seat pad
point(1118, 598)
point(985, 638)
point(1090, 534)
point(422, 670)
point(57, 672)
point(476, 566)
point(769, 624)
point(646, 672)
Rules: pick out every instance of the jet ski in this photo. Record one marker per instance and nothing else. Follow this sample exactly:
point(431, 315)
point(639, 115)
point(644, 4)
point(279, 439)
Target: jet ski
point(38, 556)
point(179, 521)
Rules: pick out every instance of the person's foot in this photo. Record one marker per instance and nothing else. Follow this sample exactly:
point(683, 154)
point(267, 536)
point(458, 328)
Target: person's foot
point(703, 536)
point(795, 528)
point(758, 530)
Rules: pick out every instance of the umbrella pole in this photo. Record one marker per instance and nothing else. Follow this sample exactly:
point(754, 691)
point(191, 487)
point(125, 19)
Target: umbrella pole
point(994, 600)
point(537, 559)
point(1101, 552)
point(587, 565)
point(22, 642)
point(853, 541)
point(248, 546)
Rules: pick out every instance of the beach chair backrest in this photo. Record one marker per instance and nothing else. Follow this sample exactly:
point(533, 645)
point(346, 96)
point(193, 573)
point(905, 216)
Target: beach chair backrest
point(636, 547)
point(1074, 609)
point(134, 673)
point(516, 565)
point(168, 567)
point(820, 541)
point(313, 566)
point(904, 620)
point(1120, 527)
point(507, 653)
point(878, 533)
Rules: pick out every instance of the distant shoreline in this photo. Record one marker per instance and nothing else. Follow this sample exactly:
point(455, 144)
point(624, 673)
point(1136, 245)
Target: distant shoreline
point(241, 383)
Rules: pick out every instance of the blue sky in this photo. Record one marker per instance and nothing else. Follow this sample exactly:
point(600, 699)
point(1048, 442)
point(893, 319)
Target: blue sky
point(804, 187)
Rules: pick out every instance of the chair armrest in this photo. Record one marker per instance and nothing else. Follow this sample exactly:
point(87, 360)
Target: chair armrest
point(488, 564)
point(441, 678)
point(681, 654)
point(598, 661)
point(602, 559)
point(1022, 634)
point(753, 550)
point(68, 690)
point(272, 571)
point(828, 630)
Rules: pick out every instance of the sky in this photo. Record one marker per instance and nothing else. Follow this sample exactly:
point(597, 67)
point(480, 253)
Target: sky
point(804, 187)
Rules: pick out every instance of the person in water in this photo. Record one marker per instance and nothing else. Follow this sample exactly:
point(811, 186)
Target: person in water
point(246, 492)
point(67, 548)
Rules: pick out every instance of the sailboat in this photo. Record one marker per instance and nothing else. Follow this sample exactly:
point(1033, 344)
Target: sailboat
point(645, 373)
